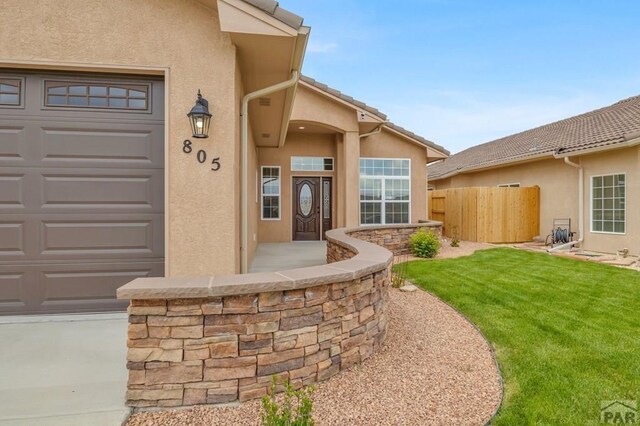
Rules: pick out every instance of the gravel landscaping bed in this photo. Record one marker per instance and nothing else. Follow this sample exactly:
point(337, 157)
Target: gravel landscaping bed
point(435, 368)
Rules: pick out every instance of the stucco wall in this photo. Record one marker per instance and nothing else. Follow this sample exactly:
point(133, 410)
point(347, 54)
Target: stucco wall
point(387, 145)
point(558, 184)
point(297, 144)
point(613, 162)
point(310, 106)
point(184, 38)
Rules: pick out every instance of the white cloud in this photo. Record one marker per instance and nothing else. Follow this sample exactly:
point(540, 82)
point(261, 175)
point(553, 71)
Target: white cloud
point(319, 47)
point(458, 121)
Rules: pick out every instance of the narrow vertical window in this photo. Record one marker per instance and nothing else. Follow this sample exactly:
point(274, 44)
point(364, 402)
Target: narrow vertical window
point(608, 200)
point(270, 192)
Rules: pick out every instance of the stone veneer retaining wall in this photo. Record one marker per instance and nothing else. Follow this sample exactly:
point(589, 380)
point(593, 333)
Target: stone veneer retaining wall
point(214, 340)
point(394, 238)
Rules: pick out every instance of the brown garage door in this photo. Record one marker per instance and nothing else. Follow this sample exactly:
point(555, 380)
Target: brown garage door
point(81, 189)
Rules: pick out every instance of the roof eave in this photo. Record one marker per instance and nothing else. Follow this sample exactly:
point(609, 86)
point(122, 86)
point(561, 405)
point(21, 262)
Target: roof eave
point(438, 151)
point(506, 162)
point(381, 118)
point(296, 65)
point(630, 141)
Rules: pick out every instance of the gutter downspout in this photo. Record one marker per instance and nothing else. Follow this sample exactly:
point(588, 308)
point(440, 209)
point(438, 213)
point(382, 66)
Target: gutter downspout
point(373, 132)
point(580, 207)
point(244, 136)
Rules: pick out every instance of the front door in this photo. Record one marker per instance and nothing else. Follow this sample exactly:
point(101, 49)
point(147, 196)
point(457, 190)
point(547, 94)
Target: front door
point(306, 208)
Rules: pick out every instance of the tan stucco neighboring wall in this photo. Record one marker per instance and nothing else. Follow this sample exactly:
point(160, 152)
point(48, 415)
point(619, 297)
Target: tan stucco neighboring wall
point(388, 145)
point(558, 184)
point(297, 144)
point(613, 162)
point(168, 37)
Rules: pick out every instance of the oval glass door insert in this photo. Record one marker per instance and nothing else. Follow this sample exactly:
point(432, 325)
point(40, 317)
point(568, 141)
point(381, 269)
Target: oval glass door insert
point(305, 199)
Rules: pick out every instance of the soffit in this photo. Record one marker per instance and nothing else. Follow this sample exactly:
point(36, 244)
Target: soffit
point(270, 44)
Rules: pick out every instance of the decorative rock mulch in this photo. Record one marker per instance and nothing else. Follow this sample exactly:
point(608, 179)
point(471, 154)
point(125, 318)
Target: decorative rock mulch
point(435, 369)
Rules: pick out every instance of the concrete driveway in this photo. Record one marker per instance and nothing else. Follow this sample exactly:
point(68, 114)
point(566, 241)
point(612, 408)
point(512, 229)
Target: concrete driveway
point(63, 370)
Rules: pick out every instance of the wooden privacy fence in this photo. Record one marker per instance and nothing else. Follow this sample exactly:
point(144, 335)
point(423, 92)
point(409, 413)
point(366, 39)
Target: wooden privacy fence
point(487, 214)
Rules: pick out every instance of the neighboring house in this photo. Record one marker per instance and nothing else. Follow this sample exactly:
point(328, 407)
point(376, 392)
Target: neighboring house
point(102, 180)
point(587, 168)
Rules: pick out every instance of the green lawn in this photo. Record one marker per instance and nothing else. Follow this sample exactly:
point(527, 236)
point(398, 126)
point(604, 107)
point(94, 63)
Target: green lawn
point(566, 332)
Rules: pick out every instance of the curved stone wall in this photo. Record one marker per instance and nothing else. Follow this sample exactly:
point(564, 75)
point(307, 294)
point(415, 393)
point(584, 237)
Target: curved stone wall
point(394, 238)
point(220, 339)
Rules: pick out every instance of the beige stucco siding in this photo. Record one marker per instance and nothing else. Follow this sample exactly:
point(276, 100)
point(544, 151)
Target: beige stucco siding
point(388, 145)
point(297, 144)
point(613, 162)
point(312, 107)
point(182, 40)
point(558, 184)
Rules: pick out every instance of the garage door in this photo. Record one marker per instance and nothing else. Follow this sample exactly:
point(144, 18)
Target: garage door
point(81, 189)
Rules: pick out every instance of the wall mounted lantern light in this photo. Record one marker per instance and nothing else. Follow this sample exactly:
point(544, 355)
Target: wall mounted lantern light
point(200, 117)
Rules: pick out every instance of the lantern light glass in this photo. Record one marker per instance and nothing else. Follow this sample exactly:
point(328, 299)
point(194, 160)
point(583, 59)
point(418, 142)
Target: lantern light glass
point(200, 118)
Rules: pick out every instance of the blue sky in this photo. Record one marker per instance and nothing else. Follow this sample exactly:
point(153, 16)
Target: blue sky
point(463, 72)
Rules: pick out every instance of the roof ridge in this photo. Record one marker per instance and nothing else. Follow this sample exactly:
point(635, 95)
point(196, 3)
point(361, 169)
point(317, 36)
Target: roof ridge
point(604, 126)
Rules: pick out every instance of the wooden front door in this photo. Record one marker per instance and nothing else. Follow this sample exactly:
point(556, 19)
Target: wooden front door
point(306, 208)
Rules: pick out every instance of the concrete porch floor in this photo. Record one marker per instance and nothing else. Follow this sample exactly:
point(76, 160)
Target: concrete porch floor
point(272, 257)
point(63, 370)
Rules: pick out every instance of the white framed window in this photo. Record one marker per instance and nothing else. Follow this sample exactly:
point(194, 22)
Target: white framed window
point(385, 191)
point(271, 184)
point(509, 185)
point(608, 203)
point(311, 164)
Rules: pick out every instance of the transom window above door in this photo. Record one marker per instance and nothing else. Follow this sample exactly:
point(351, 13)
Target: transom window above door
point(72, 94)
point(311, 164)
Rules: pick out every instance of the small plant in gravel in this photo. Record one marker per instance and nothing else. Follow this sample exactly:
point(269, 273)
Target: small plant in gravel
point(424, 243)
point(295, 410)
point(455, 241)
point(399, 271)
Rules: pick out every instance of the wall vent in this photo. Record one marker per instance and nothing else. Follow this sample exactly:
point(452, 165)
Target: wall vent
point(266, 135)
point(264, 101)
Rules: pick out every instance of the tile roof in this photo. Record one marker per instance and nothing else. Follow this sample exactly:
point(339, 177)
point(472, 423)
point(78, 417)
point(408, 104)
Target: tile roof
point(606, 126)
point(374, 111)
point(346, 98)
point(272, 8)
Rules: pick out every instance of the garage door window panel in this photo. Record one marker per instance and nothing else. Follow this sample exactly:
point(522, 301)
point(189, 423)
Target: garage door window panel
point(11, 92)
point(96, 95)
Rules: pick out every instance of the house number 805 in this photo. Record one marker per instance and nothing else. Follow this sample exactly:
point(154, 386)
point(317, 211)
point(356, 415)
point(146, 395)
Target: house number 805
point(201, 155)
